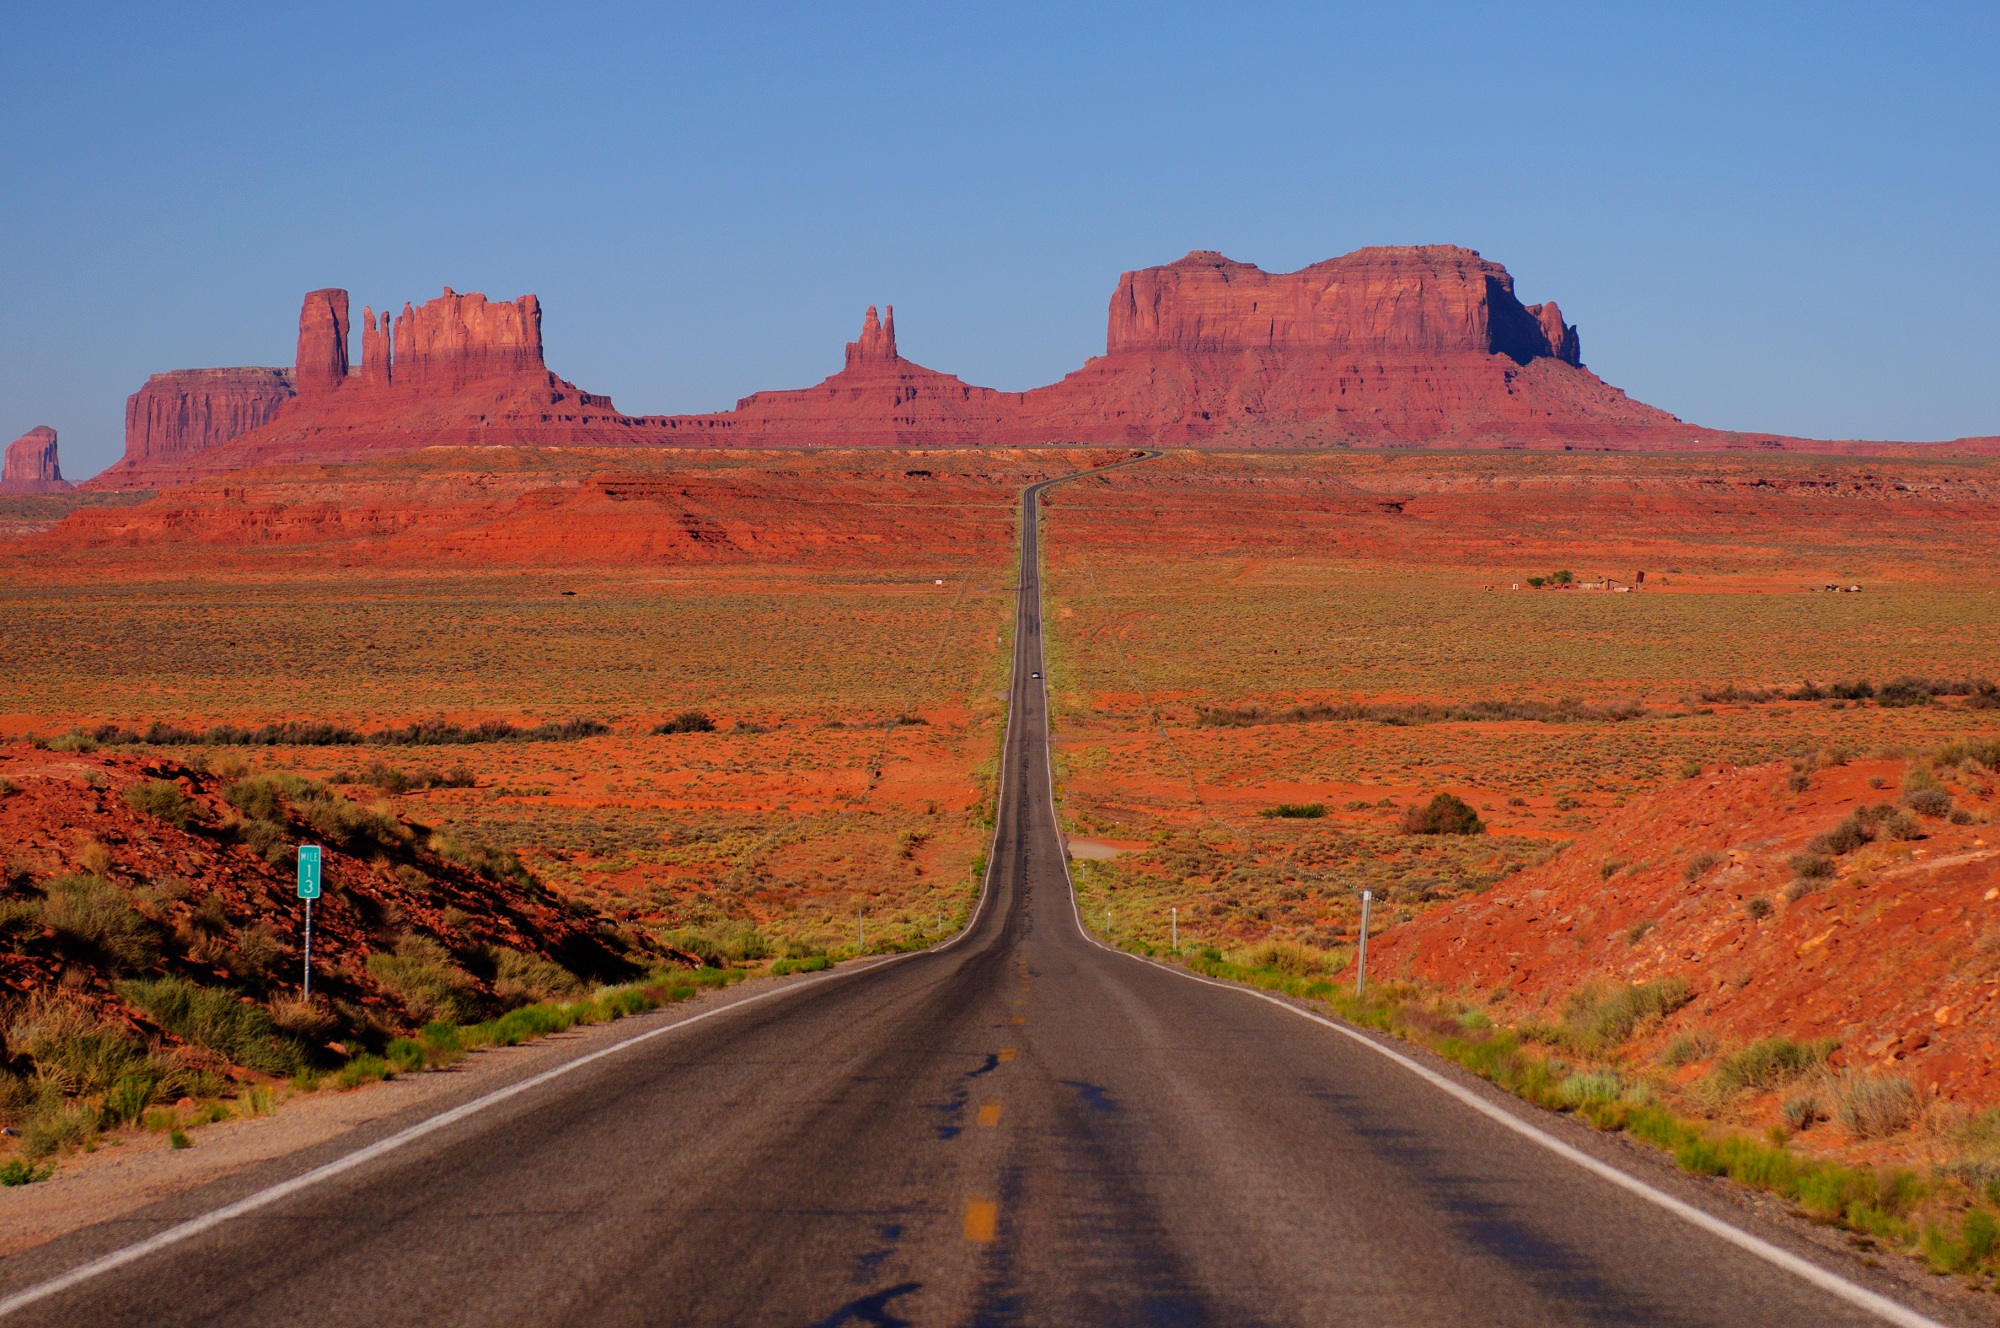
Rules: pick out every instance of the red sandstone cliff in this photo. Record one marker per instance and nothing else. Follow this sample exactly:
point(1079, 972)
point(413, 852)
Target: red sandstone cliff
point(1423, 345)
point(31, 465)
point(879, 400)
point(1384, 347)
point(179, 414)
point(456, 369)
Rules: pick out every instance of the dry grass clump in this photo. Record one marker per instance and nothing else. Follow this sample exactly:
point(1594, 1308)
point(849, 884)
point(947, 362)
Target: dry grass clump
point(1292, 960)
point(1871, 1107)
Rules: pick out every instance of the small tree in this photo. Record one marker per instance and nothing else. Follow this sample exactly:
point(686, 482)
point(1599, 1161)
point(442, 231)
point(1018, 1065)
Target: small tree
point(1445, 815)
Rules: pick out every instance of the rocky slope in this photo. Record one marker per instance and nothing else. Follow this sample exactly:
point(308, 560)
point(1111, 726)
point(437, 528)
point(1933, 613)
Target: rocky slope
point(32, 466)
point(137, 867)
point(1886, 945)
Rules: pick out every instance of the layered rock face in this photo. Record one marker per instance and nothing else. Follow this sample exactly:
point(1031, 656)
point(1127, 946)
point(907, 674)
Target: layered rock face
point(179, 414)
point(456, 369)
point(1428, 300)
point(1381, 347)
point(31, 465)
point(322, 357)
point(879, 400)
point(1384, 347)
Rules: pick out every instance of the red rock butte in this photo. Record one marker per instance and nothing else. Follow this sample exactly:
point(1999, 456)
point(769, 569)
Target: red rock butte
point(32, 466)
point(1421, 346)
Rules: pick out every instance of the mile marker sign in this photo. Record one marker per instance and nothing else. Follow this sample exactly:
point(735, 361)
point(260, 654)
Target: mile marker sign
point(309, 871)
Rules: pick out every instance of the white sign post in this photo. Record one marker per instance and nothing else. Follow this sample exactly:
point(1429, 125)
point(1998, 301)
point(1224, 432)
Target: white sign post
point(309, 891)
point(1361, 959)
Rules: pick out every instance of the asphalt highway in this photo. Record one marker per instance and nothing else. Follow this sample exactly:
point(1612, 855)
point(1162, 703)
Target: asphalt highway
point(1020, 1127)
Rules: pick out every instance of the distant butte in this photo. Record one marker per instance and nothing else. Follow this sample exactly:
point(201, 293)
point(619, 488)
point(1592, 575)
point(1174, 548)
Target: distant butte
point(31, 465)
point(1404, 346)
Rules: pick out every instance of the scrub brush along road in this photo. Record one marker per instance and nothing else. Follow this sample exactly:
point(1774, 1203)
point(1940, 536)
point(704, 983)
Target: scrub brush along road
point(1018, 1125)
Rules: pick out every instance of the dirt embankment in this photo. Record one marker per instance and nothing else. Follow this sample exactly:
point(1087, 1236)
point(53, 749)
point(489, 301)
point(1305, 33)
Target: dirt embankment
point(1884, 937)
point(123, 868)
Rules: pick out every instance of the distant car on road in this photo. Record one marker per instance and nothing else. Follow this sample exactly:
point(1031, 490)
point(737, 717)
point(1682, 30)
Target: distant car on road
point(1034, 675)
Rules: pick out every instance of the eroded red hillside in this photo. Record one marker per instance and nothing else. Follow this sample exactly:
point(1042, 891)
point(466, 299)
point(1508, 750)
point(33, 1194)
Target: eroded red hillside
point(1893, 953)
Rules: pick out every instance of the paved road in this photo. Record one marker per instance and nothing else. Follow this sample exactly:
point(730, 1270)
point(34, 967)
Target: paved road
point(1020, 1128)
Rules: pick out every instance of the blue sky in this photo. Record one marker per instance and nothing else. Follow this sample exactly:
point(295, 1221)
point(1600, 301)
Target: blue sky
point(1778, 217)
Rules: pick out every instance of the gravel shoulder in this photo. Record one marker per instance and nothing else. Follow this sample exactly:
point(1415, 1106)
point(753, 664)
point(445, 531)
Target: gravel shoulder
point(133, 1169)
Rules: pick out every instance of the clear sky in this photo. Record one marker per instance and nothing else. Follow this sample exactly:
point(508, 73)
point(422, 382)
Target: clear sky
point(1762, 217)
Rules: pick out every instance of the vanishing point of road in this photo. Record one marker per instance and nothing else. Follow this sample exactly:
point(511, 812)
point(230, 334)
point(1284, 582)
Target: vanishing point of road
point(1018, 1126)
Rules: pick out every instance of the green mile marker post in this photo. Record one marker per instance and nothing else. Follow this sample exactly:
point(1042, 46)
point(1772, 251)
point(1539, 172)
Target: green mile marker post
point(309, 891)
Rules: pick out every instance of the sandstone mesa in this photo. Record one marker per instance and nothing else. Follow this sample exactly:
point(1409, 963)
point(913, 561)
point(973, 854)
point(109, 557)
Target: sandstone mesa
point(32, 466)
point(1394, 346)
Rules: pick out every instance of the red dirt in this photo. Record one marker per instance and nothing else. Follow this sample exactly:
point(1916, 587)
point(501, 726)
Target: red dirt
point(67, 814)
point(1894, 957)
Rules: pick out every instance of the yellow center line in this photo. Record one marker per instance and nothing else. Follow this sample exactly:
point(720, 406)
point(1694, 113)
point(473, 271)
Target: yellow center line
point(1020, 1019)
point(982, 1220)
point(1006, 1053)
point(989, 1114)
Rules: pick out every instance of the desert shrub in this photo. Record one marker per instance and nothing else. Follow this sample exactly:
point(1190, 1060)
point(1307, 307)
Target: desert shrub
point(1968, 751)
point(1845, 837)
point(161, 798)
point(1578, 1090)
point(217, 1019)
point(406, 1055)
point(484, 860)
point(256, 952)
point(1638, 931)
point(1858, 690)
point(1929, 802)
point(65, 1126)
point(1296, 810)
point(720, 947)
point(1771, 1061)
point(73, 741)
point(1609, 1016)
point(75, 1051)
point(1609, 868)
point(307, 1019)
point(90, 911)
point(1445, 814)
point(20, 918)
point(1687, 1048)
point(1757, 907)
point(20, 1172)
point(1801, 1113)
point(1904, 692)
point(1295, 961)
point(422, 975)
point(1801, 886)
point(1895, 823)
point(1691, 770)
point(1811, 866)
point(1960, 816)
point(687, 721)
point(1870, 1107)
point(364, 1069)
point(519, 979)
point(1699, 866)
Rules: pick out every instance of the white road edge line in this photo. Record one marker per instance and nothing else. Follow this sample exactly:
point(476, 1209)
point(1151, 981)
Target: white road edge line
point(208, 1221)
point(1852, 1292)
